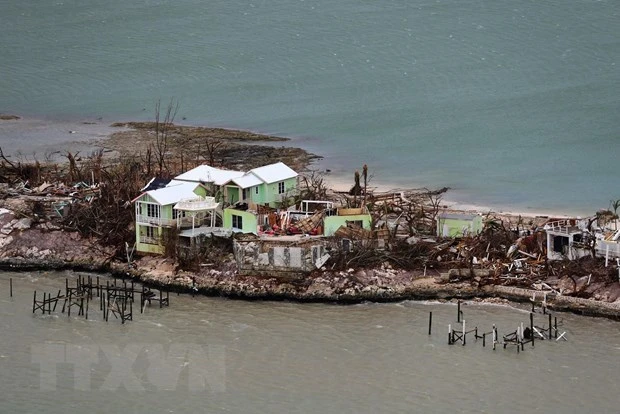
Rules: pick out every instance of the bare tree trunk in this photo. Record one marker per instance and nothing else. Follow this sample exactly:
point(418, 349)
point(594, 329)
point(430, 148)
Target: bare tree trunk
point(162, 131)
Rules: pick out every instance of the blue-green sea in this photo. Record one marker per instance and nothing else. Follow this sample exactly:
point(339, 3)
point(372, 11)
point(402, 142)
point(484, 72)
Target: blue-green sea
point(513, 104)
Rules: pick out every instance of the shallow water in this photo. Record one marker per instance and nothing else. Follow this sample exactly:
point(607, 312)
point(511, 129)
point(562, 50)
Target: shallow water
point(513, 104)
point(280, 357)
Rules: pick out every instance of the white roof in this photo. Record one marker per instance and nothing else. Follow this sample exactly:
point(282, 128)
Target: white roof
point(208, 174)
point(173, 192)
point(274, 172)
point(247, 181)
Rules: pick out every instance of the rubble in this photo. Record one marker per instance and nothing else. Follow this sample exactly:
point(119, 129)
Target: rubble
point(401, 257)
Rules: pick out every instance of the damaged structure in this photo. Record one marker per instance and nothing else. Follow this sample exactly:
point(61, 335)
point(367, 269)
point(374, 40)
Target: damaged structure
point(208, 200)
point(288, 257)
point(575, 238)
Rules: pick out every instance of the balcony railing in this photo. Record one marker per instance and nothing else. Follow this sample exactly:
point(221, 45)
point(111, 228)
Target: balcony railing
point(149, 240)
point(155, 221)
point(197, 204)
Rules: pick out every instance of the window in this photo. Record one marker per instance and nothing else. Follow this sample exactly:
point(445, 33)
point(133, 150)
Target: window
point(281, 187)
point(237, 222)
point(177, 213)
point(244, 194)
point(152, 210)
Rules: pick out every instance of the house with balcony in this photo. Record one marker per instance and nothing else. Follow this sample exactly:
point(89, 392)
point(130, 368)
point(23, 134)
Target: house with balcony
point(572, 239)
point(179, 205)
point(192, 202)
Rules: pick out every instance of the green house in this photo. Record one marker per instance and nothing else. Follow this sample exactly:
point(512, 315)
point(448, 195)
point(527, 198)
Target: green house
point(458, 225)
point(156, 213)
point(183, 203)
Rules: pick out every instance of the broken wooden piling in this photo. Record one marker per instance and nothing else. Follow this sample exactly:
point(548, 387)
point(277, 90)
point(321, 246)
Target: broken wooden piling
point(430, 322)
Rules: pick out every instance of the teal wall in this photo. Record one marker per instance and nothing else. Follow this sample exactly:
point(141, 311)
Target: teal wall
point(333, 223)
point(233, 194)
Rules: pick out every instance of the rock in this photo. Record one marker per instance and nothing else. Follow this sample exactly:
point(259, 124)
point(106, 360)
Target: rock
point(23, 224)
point(50, 226)
point(5, 241)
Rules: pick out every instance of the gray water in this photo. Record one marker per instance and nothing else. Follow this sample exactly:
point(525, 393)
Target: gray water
point(280, 357)
point(511, 103)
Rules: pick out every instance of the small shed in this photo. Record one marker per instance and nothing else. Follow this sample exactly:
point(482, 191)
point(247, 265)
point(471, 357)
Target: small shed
point(458, 225)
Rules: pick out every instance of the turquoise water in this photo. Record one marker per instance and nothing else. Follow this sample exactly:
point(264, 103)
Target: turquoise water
point(513, 104)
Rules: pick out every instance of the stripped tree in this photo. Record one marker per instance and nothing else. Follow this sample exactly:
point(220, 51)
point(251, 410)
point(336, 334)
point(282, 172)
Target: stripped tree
point(162, 133)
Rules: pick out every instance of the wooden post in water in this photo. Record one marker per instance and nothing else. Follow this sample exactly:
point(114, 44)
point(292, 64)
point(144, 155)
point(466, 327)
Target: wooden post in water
point(449, 334)
point(458, 311)
point(142, 301)
point(11, 286)
point(430, 322)
point(56, 301)
point(34, 301)
point(532, 333)
point(556, 327)
point(550, 327)
point(484, 339)
point(464, 333)
point(494, 336)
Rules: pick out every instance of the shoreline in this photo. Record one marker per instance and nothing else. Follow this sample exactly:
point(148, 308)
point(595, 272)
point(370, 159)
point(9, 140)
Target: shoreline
point(340, 184)
point(47, 246)
point(88, 133)
point(420, 289)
